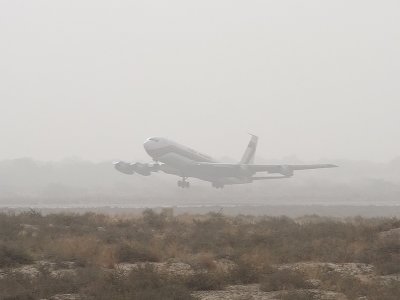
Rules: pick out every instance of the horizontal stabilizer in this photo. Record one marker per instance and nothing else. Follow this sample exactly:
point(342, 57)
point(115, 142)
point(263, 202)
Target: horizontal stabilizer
point(269, 177)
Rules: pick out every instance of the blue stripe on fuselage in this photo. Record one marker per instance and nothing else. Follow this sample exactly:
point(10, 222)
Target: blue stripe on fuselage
point(187, 153)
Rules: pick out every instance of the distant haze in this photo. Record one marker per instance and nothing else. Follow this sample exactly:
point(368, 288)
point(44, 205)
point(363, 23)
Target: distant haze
point(77, 183)
point(93, 79)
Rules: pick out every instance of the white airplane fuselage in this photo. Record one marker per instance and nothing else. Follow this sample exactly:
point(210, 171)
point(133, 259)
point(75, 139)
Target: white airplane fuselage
point(180, 160)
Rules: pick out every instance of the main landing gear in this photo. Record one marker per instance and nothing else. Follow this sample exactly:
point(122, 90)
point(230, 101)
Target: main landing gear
point(183, 183)
point(217, 185)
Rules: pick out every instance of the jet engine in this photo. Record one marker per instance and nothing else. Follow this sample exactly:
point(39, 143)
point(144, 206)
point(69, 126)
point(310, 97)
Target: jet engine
point(124, 167)
point(286, 171)
point(140, 168)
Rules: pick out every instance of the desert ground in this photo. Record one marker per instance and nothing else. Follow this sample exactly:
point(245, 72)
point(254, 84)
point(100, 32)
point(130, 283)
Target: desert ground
point(165, 254)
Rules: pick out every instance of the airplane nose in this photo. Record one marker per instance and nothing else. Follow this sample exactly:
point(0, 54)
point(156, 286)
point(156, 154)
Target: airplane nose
point(146, 144)
point(150, 144)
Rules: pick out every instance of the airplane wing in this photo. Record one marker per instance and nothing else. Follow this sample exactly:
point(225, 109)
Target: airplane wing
point(286, 170)
point(278, 168)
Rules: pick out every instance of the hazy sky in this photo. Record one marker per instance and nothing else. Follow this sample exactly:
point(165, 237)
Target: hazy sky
point(93, 79)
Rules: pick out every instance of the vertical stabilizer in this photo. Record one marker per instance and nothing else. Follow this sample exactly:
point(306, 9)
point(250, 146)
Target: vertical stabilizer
point(248, 156)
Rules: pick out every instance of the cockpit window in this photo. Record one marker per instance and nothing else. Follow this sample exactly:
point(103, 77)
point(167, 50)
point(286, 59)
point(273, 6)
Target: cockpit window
point(154, 140)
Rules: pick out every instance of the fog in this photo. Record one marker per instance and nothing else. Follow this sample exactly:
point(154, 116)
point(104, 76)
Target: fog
point(77, 183)
point(85, 83)
point(93, 79)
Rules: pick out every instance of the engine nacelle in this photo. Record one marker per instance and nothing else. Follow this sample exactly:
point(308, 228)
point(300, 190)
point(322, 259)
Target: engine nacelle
point(124, 167)
point(142, 169)
point(286, 171)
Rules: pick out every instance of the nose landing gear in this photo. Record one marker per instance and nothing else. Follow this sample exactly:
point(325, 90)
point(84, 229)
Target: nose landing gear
point(183, 183)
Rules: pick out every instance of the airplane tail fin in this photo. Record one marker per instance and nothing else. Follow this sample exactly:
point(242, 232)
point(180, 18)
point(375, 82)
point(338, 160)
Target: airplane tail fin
point(248, 156)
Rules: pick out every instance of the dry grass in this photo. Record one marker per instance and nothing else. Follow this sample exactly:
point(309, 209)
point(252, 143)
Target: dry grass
point(251, 244)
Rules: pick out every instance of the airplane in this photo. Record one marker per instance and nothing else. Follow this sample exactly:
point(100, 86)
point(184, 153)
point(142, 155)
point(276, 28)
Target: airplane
point(175, 159)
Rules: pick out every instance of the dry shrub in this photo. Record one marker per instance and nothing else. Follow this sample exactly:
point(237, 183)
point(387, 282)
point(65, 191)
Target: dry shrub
point(82, 249)
point(134, 252)
point(154, 220)
point(355, 288)
point(98, 219)
point(283, 280)
point(177, 251)
point(252, 266)
point(143, 283)
point(206, 281)
point(298, 295)
point(17, 286)
point(387, 256)
point(258, 258)
point(12, 255)
point(106, 257)
point(186, 218)
point(357, 247)
point(351, 286)
point(157, 247)
point(204, 261)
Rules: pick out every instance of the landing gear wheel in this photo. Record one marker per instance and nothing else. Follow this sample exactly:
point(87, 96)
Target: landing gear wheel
point(217, 185)
point(183, 184)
